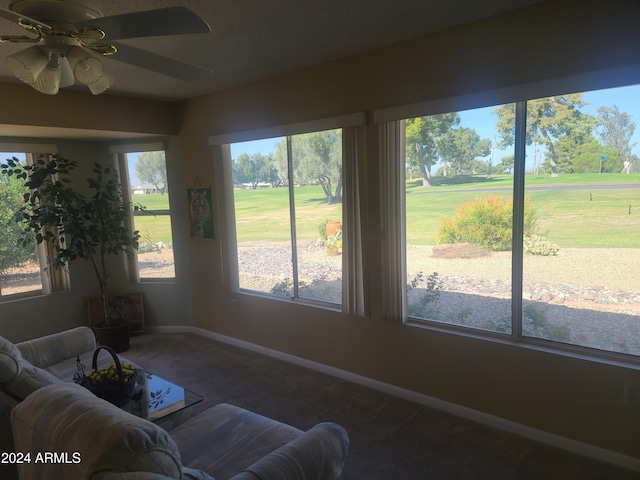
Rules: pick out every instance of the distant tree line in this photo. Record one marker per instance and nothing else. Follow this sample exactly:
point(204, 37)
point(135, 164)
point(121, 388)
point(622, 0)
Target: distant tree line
point(316, 158)
point(564, 140)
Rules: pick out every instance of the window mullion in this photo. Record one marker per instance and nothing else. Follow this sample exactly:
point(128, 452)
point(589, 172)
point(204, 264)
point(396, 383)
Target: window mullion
point(292, 219)
point(518, 219)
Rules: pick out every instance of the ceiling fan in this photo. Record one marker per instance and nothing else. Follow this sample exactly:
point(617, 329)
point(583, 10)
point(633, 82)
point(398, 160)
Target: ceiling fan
point(70, 36)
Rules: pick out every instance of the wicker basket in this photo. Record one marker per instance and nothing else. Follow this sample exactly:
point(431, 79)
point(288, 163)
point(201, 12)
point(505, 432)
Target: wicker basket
point(116, 393)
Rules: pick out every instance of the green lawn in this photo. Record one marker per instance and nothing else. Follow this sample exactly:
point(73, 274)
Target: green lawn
point(264, 214)
point(584, 217)
point(153, 228)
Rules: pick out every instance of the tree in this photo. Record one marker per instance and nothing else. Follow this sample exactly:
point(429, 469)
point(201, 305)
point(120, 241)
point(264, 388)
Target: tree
point(548, 120)
point(254, 169)
point(461, 147)
point(616, 130)
point(316, 157)
point(588, 158)
point(422, 135)
point(13, 250)
point(151, 168)
point(505, 165)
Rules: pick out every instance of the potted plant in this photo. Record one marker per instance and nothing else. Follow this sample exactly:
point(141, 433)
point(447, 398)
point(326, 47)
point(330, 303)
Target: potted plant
point(76, 226)
point(334, 243)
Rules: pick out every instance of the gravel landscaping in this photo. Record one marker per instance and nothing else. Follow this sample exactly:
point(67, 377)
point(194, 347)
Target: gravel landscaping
point(588, 297)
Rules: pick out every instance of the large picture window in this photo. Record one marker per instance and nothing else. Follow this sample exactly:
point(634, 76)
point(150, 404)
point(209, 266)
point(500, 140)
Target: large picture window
point(550, 208)
point(288, 215)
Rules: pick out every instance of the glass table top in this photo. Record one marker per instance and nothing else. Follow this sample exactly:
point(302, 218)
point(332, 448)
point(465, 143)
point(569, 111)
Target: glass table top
point(155, 398)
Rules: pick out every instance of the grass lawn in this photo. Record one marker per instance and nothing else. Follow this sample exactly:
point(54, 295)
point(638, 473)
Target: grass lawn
point(153, 228)
point(585, 216)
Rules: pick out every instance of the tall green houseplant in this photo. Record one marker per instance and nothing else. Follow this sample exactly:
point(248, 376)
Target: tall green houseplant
point(71, 224)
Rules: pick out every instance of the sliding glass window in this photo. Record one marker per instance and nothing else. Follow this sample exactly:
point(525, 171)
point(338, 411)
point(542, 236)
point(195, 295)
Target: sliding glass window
point(288, 215)
point(581, 281)
point(551, 208)
point(459, 188)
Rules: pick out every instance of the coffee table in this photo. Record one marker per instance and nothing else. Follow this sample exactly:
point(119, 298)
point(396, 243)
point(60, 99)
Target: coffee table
point(155, 398)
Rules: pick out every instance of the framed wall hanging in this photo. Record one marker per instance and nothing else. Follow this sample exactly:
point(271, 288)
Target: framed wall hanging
point(200, 212)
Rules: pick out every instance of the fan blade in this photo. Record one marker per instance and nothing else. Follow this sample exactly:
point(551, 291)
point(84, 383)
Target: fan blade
point(17, 18)
point(160, 64)
point(150, 23)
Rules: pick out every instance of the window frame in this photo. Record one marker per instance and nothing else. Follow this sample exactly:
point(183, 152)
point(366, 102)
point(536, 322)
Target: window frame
point(391, 118)
point(120, 152)
point(295, 297)
point(353, 295)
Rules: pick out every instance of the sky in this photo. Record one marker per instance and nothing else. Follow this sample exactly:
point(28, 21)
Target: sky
point(483, 121)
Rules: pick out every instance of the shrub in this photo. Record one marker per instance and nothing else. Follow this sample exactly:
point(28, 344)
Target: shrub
point(427, 296)
point(486, 222)
point(539, 245)
point(16, 246)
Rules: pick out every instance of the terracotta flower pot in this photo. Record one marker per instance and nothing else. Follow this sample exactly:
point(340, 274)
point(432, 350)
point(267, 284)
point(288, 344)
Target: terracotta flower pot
point(332, 228)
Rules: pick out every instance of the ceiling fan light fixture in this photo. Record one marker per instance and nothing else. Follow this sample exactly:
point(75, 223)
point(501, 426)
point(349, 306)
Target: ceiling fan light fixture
point(105, 81)
point(66, 74)
point(27, 64)
point(49, 79)
point(86, 68)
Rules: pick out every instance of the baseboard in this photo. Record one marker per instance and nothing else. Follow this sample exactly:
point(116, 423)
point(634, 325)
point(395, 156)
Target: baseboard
point(493, 421)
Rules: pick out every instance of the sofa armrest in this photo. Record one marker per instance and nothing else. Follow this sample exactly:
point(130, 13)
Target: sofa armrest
point(317, 454)
point(97, 436)
point(51, 349)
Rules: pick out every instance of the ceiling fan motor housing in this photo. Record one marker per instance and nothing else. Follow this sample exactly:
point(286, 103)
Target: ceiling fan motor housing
point(53, 11)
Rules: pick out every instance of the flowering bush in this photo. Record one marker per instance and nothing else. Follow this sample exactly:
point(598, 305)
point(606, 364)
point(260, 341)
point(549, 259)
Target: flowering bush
point(539, 245)
point(486, 222)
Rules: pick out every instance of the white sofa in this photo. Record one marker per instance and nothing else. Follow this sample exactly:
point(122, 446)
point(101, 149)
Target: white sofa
point(28, 366)
point(223, 442)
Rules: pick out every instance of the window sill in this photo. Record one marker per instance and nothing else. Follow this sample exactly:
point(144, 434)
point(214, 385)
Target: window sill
point(15, 297)
point(535, 344)
point(157, 281)
point(297, 301)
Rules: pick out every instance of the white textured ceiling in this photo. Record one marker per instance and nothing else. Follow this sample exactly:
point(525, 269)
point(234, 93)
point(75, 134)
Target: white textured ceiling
point(255, 39)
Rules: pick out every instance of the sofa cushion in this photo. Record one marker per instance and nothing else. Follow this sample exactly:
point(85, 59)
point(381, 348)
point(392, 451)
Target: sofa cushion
point(10, 358)
point(238, 437)
point(65, 417)
point(49, 350)
point(28, 380)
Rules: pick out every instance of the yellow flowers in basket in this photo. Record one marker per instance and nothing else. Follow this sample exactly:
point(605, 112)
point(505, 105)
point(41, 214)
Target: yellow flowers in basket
point(110, 375)
point(115, 383)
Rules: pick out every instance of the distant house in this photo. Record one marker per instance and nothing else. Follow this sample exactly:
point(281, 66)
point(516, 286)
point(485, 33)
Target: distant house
point(143, 189)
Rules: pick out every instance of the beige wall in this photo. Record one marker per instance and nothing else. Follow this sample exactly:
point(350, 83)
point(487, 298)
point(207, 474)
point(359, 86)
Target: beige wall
point(572, 397)
point(21, 105)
